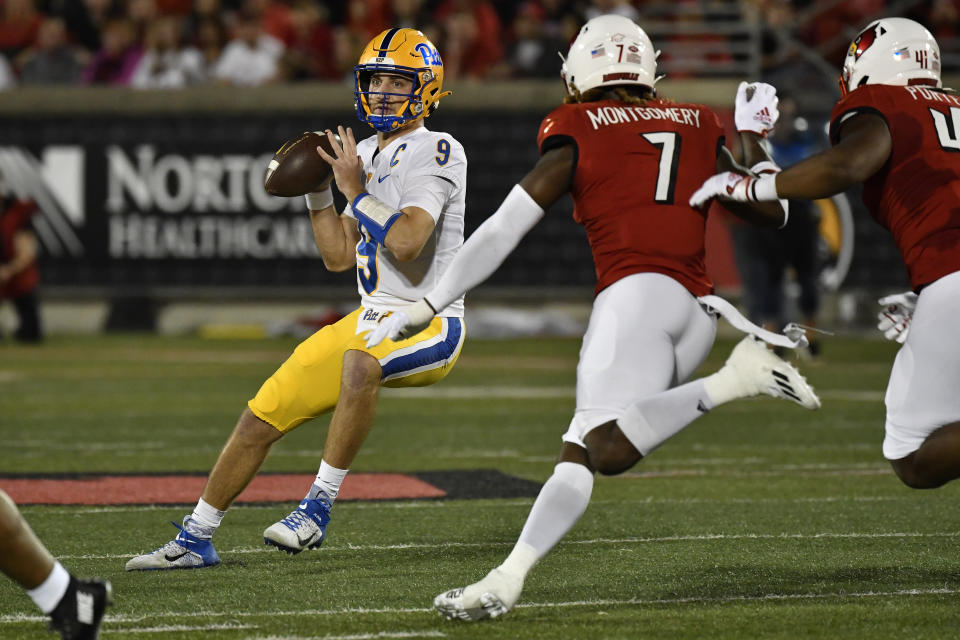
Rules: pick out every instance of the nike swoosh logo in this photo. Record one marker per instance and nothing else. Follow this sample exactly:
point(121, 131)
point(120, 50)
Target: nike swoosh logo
point(382, 178)
point(303, 542)
point(171, 558)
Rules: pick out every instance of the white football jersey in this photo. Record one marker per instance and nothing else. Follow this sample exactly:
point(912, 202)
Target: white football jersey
point(426, 169)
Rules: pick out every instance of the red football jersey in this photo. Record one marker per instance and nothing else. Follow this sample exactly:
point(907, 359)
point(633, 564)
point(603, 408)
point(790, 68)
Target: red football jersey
point(916, 195)
point(637, 166)
point(15, 217)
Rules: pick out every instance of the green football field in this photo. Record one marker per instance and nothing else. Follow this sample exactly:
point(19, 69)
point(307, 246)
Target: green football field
point(761, 520)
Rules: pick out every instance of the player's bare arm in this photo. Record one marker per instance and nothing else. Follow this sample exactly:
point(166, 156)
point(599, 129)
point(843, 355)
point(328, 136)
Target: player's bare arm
point(551, 177)
point(864, 148)
point(336, 238)
point(755, 115)
point(410, 233)
point(752, 150)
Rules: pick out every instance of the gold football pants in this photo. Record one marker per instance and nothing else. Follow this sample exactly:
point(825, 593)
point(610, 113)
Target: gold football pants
point(308, 383)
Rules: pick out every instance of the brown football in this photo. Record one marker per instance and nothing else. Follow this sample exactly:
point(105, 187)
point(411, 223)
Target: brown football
point(296, 167)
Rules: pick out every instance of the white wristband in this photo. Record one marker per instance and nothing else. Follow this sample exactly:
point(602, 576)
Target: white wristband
point(765, 166)
point(319, 200)
point(769, 169)
point(420, 312)
point(764, 188)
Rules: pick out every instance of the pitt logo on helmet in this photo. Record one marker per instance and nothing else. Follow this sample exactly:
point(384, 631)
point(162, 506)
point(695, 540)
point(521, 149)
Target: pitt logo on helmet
point(402, 52)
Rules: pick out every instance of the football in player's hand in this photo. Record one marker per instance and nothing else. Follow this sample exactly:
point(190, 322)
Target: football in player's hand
point(296, 167)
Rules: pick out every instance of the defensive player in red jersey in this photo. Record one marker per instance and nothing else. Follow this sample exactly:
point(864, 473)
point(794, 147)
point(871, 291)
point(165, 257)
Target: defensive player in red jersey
point(630, 160)
point(897, 132)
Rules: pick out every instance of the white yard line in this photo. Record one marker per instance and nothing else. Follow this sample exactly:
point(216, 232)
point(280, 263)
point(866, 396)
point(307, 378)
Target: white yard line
point(593, 541)
point(360, 636)
point(354, 611)
point(548, 393)
point(475, 392)
point(763, 598)
point(851, 395)
point(171, 628)
point(87, 446)
point(494, 503)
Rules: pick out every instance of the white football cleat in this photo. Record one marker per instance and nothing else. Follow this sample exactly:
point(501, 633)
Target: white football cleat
point(186, 551)
point(759, 370)
point(492, 597)
point(304, 528)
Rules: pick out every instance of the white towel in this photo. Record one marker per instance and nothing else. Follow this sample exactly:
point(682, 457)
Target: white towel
point(793, 335)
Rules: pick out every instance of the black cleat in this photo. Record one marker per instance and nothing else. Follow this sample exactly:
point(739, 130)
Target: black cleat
point(79, 613)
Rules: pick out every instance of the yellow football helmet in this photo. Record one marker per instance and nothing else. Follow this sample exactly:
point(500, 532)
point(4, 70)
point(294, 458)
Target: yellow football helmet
point(405, 52)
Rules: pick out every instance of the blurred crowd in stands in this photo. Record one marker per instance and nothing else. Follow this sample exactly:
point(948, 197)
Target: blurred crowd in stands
point(178, 43)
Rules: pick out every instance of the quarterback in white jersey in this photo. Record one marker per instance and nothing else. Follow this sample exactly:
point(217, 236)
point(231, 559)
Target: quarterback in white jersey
point(423, 169)
point(406, 188)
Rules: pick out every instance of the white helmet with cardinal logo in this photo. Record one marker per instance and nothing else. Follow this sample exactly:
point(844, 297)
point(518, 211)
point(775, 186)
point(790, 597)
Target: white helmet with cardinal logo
point(894, 51)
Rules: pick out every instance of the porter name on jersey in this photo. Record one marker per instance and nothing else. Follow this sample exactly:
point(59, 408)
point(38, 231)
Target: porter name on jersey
point(918, 93)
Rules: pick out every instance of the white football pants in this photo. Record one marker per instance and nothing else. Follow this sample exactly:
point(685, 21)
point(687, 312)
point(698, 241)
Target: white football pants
point(647, 333)
point(924, 389)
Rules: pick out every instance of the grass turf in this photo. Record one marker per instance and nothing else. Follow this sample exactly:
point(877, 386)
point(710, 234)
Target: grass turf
point(760, 520)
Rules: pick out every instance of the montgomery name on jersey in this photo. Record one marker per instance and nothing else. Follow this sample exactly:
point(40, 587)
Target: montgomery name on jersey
point(425, 169)
point(634, 223)
point(916, 195)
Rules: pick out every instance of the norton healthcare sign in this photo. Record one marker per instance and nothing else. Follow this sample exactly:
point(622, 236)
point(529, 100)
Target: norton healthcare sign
point(161, 202)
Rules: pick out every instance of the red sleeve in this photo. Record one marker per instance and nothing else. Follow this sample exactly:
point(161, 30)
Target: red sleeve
point(558, 123)
point(714, 119)
point(870, 98)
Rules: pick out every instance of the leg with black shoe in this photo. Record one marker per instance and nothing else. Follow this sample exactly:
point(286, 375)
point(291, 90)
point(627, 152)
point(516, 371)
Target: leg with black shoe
point(75, 606)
